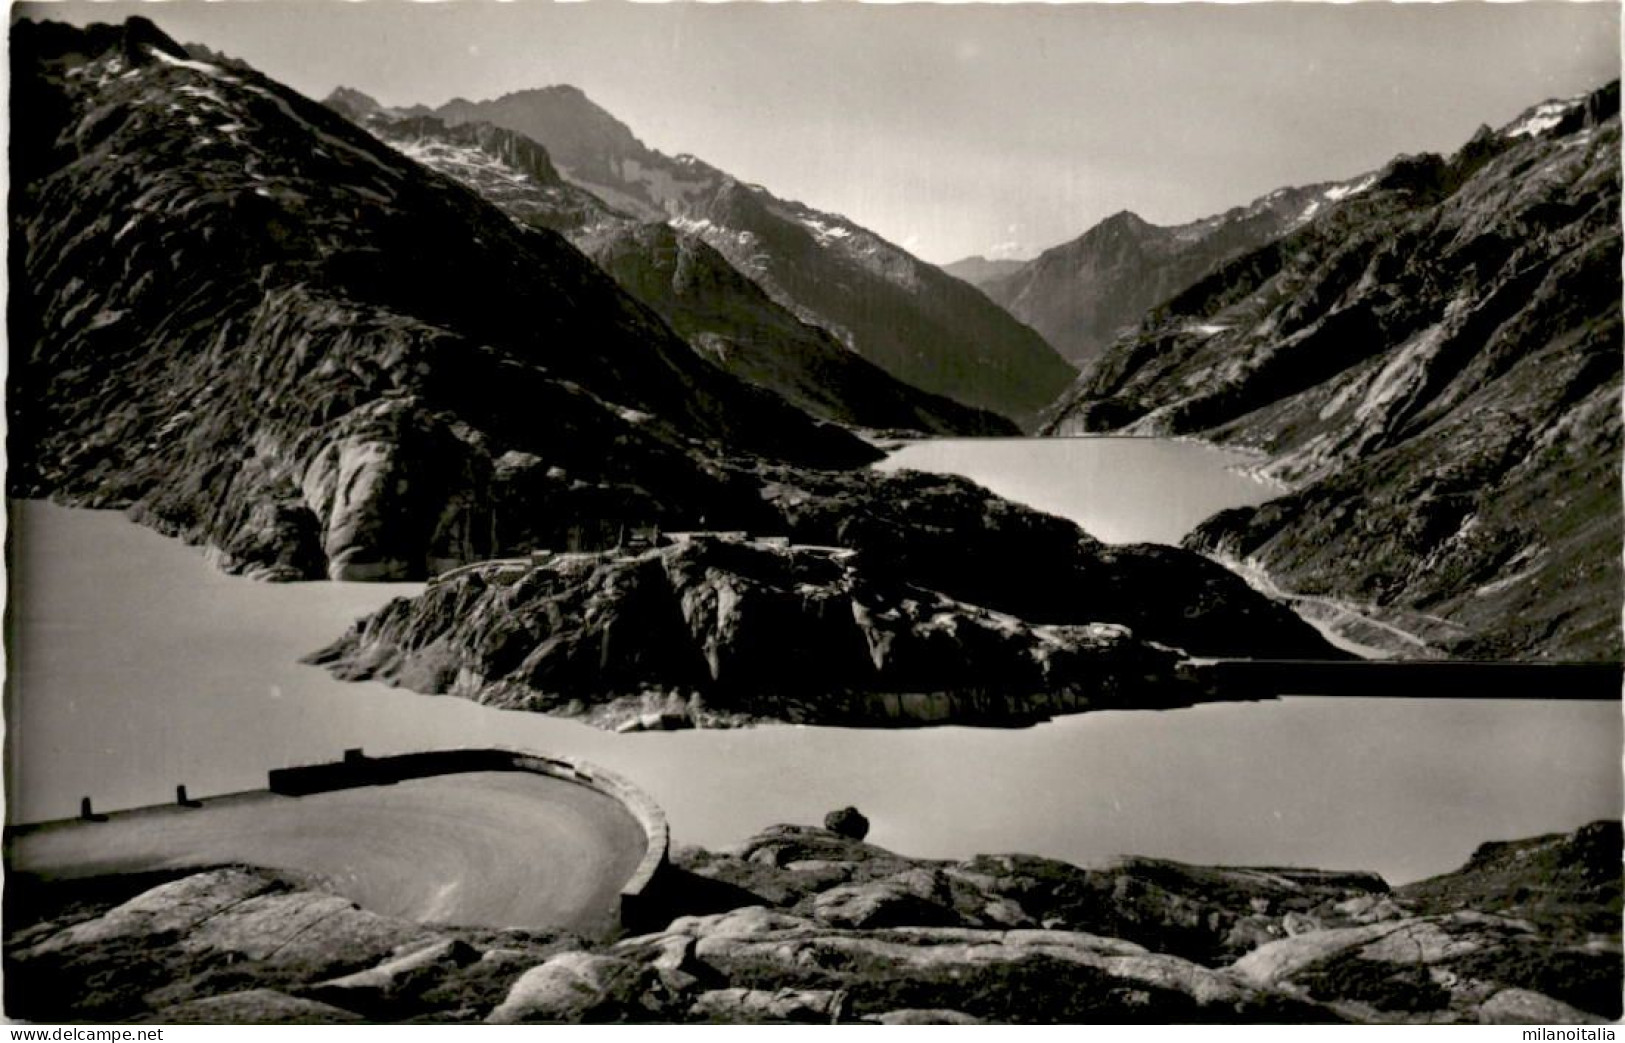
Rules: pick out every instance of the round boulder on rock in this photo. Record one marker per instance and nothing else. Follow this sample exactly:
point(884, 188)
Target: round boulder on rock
point(848, 822)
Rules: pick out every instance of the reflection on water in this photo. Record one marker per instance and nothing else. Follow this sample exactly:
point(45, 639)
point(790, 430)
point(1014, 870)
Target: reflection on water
point(133, 666)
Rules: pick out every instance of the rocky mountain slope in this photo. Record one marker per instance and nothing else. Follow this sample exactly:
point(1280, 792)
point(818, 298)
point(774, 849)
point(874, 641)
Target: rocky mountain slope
point(1082, 294)
point(723, 315)
point(806, 925)
point(268, 331)
point(903, 600)
point(505, 167)
point(732, 322)
point(926, 328)
point(1433, 366)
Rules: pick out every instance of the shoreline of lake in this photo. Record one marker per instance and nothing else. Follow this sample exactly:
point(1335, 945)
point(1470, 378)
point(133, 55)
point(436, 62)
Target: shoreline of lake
point(139, 667)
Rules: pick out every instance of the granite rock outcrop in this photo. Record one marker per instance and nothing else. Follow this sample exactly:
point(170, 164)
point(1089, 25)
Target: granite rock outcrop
point(802, 925)
point(864, 608)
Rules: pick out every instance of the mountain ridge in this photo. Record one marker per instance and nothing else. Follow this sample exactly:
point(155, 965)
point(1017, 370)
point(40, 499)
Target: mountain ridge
point(1528, 934)
point(1082, 293)
point(727, 318)
point(924, 327)
point(1431, 366)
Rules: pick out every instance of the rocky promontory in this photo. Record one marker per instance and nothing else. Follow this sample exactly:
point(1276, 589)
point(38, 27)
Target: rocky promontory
point(895, 599)
point(804, 925)
point(716, 629)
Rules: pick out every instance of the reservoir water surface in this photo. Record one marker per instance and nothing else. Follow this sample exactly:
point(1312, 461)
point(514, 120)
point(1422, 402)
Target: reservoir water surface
point(133, 666)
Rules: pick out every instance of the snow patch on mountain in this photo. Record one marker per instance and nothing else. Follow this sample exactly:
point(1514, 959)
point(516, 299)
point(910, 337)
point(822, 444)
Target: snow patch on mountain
point(186, 63)
point(694, 225)
point(467, 161)
point(1343, 191)
point(1542, 118)
point(1404, 375)
point(1335, 194)
point(825, 232)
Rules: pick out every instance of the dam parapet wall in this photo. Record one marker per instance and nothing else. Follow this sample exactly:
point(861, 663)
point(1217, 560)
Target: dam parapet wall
point(638, 895)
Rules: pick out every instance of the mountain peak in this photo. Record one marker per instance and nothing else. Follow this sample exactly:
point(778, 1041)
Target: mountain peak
point(138, 37)
point(1124, 221)
point(560, 116)
point(140, 31)
point(872, 295)
point(351, 102)
point(565, 93)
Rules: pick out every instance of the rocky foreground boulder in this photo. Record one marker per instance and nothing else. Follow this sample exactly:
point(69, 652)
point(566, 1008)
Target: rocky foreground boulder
point(803, 925)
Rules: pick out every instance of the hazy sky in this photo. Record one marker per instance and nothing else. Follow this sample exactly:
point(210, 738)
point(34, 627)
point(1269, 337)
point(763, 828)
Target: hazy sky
point(976, 128)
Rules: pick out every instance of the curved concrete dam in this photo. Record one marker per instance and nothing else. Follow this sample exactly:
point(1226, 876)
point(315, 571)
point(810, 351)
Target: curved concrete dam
point(489, 838)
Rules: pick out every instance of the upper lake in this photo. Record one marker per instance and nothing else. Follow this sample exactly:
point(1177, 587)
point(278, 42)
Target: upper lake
point(1121, 490)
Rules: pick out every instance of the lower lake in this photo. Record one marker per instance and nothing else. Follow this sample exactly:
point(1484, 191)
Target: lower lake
point(133, 666)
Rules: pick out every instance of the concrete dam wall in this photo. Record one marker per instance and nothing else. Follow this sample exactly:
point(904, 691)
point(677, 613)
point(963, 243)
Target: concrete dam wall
point(358, 769)
point(486, 837)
